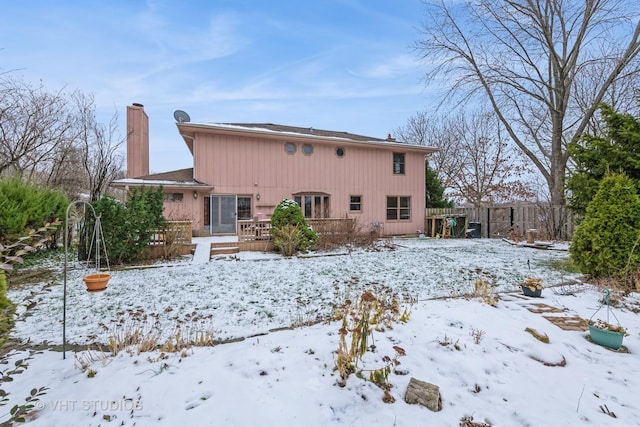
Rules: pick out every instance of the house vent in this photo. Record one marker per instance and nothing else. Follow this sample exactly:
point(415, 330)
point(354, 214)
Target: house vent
point(290, 148)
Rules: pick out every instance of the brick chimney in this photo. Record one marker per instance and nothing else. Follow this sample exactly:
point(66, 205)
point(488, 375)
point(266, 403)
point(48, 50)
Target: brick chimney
point(137, 141)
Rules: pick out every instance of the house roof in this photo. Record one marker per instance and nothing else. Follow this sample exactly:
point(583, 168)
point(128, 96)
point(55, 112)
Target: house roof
point(308, 131)
point(182, 178)
point(188, 131)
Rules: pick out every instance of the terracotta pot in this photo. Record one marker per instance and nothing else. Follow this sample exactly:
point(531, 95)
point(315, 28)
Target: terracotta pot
point(96, 282)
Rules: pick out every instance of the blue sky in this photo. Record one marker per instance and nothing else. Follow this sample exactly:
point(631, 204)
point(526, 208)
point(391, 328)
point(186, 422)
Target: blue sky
point(344, 65)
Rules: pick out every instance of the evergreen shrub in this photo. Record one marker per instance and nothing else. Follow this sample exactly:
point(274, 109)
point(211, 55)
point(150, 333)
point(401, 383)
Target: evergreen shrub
point(604, 243)
point(290, 230)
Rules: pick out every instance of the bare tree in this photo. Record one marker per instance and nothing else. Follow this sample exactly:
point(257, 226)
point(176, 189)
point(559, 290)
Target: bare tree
point(64, 172)
point(475, 162)
point(99, 147)
point(621, 95)
point(527, 57)
point(431, 130)
point(487, 169)
point(34, 125)
point(54, 138)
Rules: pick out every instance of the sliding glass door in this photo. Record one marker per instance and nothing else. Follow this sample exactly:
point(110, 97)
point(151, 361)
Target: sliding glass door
point(223, 214)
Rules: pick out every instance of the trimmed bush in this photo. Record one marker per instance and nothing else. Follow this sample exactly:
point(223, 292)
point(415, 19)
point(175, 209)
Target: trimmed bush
point(286, 217)
point(604, 242)
point(128, 227)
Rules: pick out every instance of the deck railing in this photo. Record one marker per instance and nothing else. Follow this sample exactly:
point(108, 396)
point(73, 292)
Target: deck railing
point(174, 232)
point(249, 230)
point(254, 230)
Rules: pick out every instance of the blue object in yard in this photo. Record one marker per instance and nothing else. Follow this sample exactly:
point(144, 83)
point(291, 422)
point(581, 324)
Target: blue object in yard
point(606, 338)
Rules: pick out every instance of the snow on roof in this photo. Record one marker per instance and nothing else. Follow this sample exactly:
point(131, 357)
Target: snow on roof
point(310, 132)
point(139, 181)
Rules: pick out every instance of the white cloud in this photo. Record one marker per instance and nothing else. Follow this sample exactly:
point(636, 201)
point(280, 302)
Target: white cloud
point(398, 65)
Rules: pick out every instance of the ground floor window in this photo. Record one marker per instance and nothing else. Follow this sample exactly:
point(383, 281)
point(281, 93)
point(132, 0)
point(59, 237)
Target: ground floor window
point(313, 205)
point(398, 208)
point(244, 207)
point(206, 219)
point(173, 197)
point(355, 203)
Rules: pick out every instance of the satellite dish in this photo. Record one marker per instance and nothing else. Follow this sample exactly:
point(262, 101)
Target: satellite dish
point(181, 116)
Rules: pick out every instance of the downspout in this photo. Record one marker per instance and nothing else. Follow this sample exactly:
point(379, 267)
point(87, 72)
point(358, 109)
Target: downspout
point(193, 144)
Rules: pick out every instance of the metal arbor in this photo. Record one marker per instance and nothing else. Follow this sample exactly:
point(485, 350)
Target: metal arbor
point(97, 237)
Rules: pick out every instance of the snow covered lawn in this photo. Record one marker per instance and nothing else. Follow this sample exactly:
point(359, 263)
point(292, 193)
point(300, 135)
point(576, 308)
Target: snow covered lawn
point(485, 363)
point(260, 291)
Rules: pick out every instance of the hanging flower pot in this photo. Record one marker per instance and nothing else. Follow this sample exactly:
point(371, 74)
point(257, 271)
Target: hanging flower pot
point(97, 282)
point(606, 335)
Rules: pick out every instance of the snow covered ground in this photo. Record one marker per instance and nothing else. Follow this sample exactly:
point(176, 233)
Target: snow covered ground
point(254, 292)
point(485, 363)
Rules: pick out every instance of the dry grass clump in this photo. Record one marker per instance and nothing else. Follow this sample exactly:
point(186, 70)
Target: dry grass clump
point(484, 283)
point(136, 331)
point(376, 308)
point(468, 422)
point(345, 233)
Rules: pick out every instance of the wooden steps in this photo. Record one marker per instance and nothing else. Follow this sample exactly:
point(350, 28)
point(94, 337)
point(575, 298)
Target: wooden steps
point(226, 249)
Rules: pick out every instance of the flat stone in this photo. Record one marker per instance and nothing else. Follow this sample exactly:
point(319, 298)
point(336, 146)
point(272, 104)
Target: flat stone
point(544, 308)
point(423, 393)
point(568, 323)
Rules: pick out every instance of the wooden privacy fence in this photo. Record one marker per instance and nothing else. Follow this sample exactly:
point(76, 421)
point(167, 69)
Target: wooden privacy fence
point(551, 222)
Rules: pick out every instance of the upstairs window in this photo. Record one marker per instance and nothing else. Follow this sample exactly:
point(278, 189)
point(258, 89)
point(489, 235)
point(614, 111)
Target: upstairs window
point(398, 163)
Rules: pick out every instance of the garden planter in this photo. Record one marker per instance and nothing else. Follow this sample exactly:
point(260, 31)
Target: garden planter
point(97, 282)
point(530, 292)
point(605, 337)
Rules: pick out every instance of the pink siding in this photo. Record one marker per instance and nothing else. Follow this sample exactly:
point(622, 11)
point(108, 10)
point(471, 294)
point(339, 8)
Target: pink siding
point(248, 164)
point(189, 209)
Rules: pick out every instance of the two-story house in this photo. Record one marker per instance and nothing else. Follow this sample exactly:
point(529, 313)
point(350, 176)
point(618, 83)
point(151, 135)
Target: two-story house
point(242, 171)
